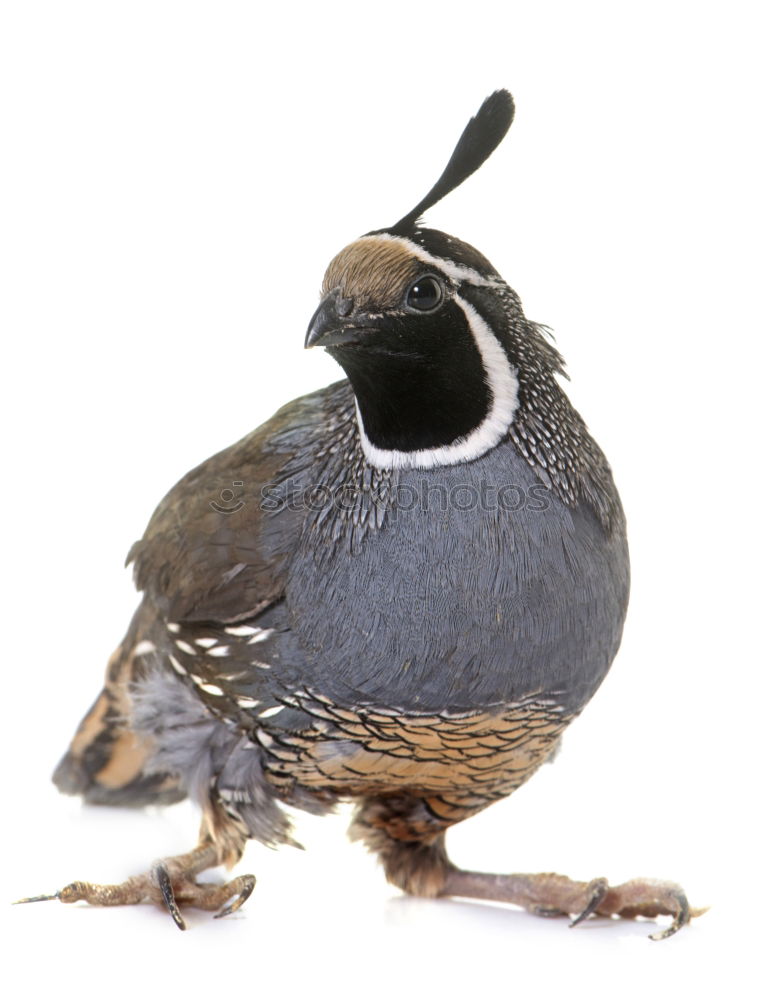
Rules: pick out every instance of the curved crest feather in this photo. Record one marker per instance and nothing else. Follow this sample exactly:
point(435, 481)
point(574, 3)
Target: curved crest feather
point(480, 138)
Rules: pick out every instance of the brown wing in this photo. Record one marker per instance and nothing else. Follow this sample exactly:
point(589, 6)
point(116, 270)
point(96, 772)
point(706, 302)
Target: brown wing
point(211, 551)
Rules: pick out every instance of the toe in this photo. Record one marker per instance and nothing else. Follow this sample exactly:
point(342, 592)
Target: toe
point(597, 890)
point(161, 875)
point(244, 886)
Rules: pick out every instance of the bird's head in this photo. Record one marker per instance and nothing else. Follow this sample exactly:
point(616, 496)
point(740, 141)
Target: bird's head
point(429, 335)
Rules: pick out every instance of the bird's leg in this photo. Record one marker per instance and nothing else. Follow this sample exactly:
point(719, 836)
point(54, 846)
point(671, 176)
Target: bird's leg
point(170, 883)
point(548, 894)
point(409, 837)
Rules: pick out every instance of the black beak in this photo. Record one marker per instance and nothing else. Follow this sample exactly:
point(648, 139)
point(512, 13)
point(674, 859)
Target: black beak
point(332, 323)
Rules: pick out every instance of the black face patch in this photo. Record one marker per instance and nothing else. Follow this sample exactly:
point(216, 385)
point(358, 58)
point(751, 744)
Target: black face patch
point(419, 379)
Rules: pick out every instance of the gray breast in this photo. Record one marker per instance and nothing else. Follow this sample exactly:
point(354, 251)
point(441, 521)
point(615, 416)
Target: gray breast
point(481, 587)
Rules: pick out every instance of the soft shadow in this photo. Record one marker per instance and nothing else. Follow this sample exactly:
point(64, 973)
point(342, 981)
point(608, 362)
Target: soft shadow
point(487, 917)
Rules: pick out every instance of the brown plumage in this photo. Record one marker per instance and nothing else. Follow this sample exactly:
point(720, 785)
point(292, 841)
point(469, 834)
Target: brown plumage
point(306, 635)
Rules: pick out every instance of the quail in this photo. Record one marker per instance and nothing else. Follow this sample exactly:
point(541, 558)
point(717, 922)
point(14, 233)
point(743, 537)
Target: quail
point(400, 590)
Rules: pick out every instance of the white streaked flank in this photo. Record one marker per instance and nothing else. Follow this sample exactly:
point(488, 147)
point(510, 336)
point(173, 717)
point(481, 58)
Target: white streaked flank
point(245, 702)
point(143, 647)
point(185, 647)
point(261, 635)
point(211, 689)
point(270, 712)
point(219, 651)
point(206, 642)
point(177, 666)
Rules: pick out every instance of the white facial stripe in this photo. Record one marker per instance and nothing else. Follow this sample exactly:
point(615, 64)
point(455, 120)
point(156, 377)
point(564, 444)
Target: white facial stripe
point(503, 383)
point(457, 272)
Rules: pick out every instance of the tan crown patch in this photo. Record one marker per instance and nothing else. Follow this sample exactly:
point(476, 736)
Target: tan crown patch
point(374, 273)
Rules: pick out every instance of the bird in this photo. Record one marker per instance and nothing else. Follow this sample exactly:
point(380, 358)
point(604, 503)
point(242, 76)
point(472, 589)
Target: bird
point(398, 591)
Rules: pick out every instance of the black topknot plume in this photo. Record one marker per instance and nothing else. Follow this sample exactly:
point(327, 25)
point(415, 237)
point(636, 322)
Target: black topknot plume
point(480, 138)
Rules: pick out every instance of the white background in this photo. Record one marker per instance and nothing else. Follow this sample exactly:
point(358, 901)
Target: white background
point(176, 178)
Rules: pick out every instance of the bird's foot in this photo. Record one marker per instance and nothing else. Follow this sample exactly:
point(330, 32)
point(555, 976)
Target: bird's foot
point(551, 895)
point(169, 883)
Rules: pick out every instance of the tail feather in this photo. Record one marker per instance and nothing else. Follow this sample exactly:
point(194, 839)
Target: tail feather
point(108, 763)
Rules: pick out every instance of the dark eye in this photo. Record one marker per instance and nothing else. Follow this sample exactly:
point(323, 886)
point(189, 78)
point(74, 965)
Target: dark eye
point(425, 294)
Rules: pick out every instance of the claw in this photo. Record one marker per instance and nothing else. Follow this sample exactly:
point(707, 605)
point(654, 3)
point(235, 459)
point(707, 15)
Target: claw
point(35, 899)
point(243, 895)
point(682, 917)
point(598, 889)
point(161, 875)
